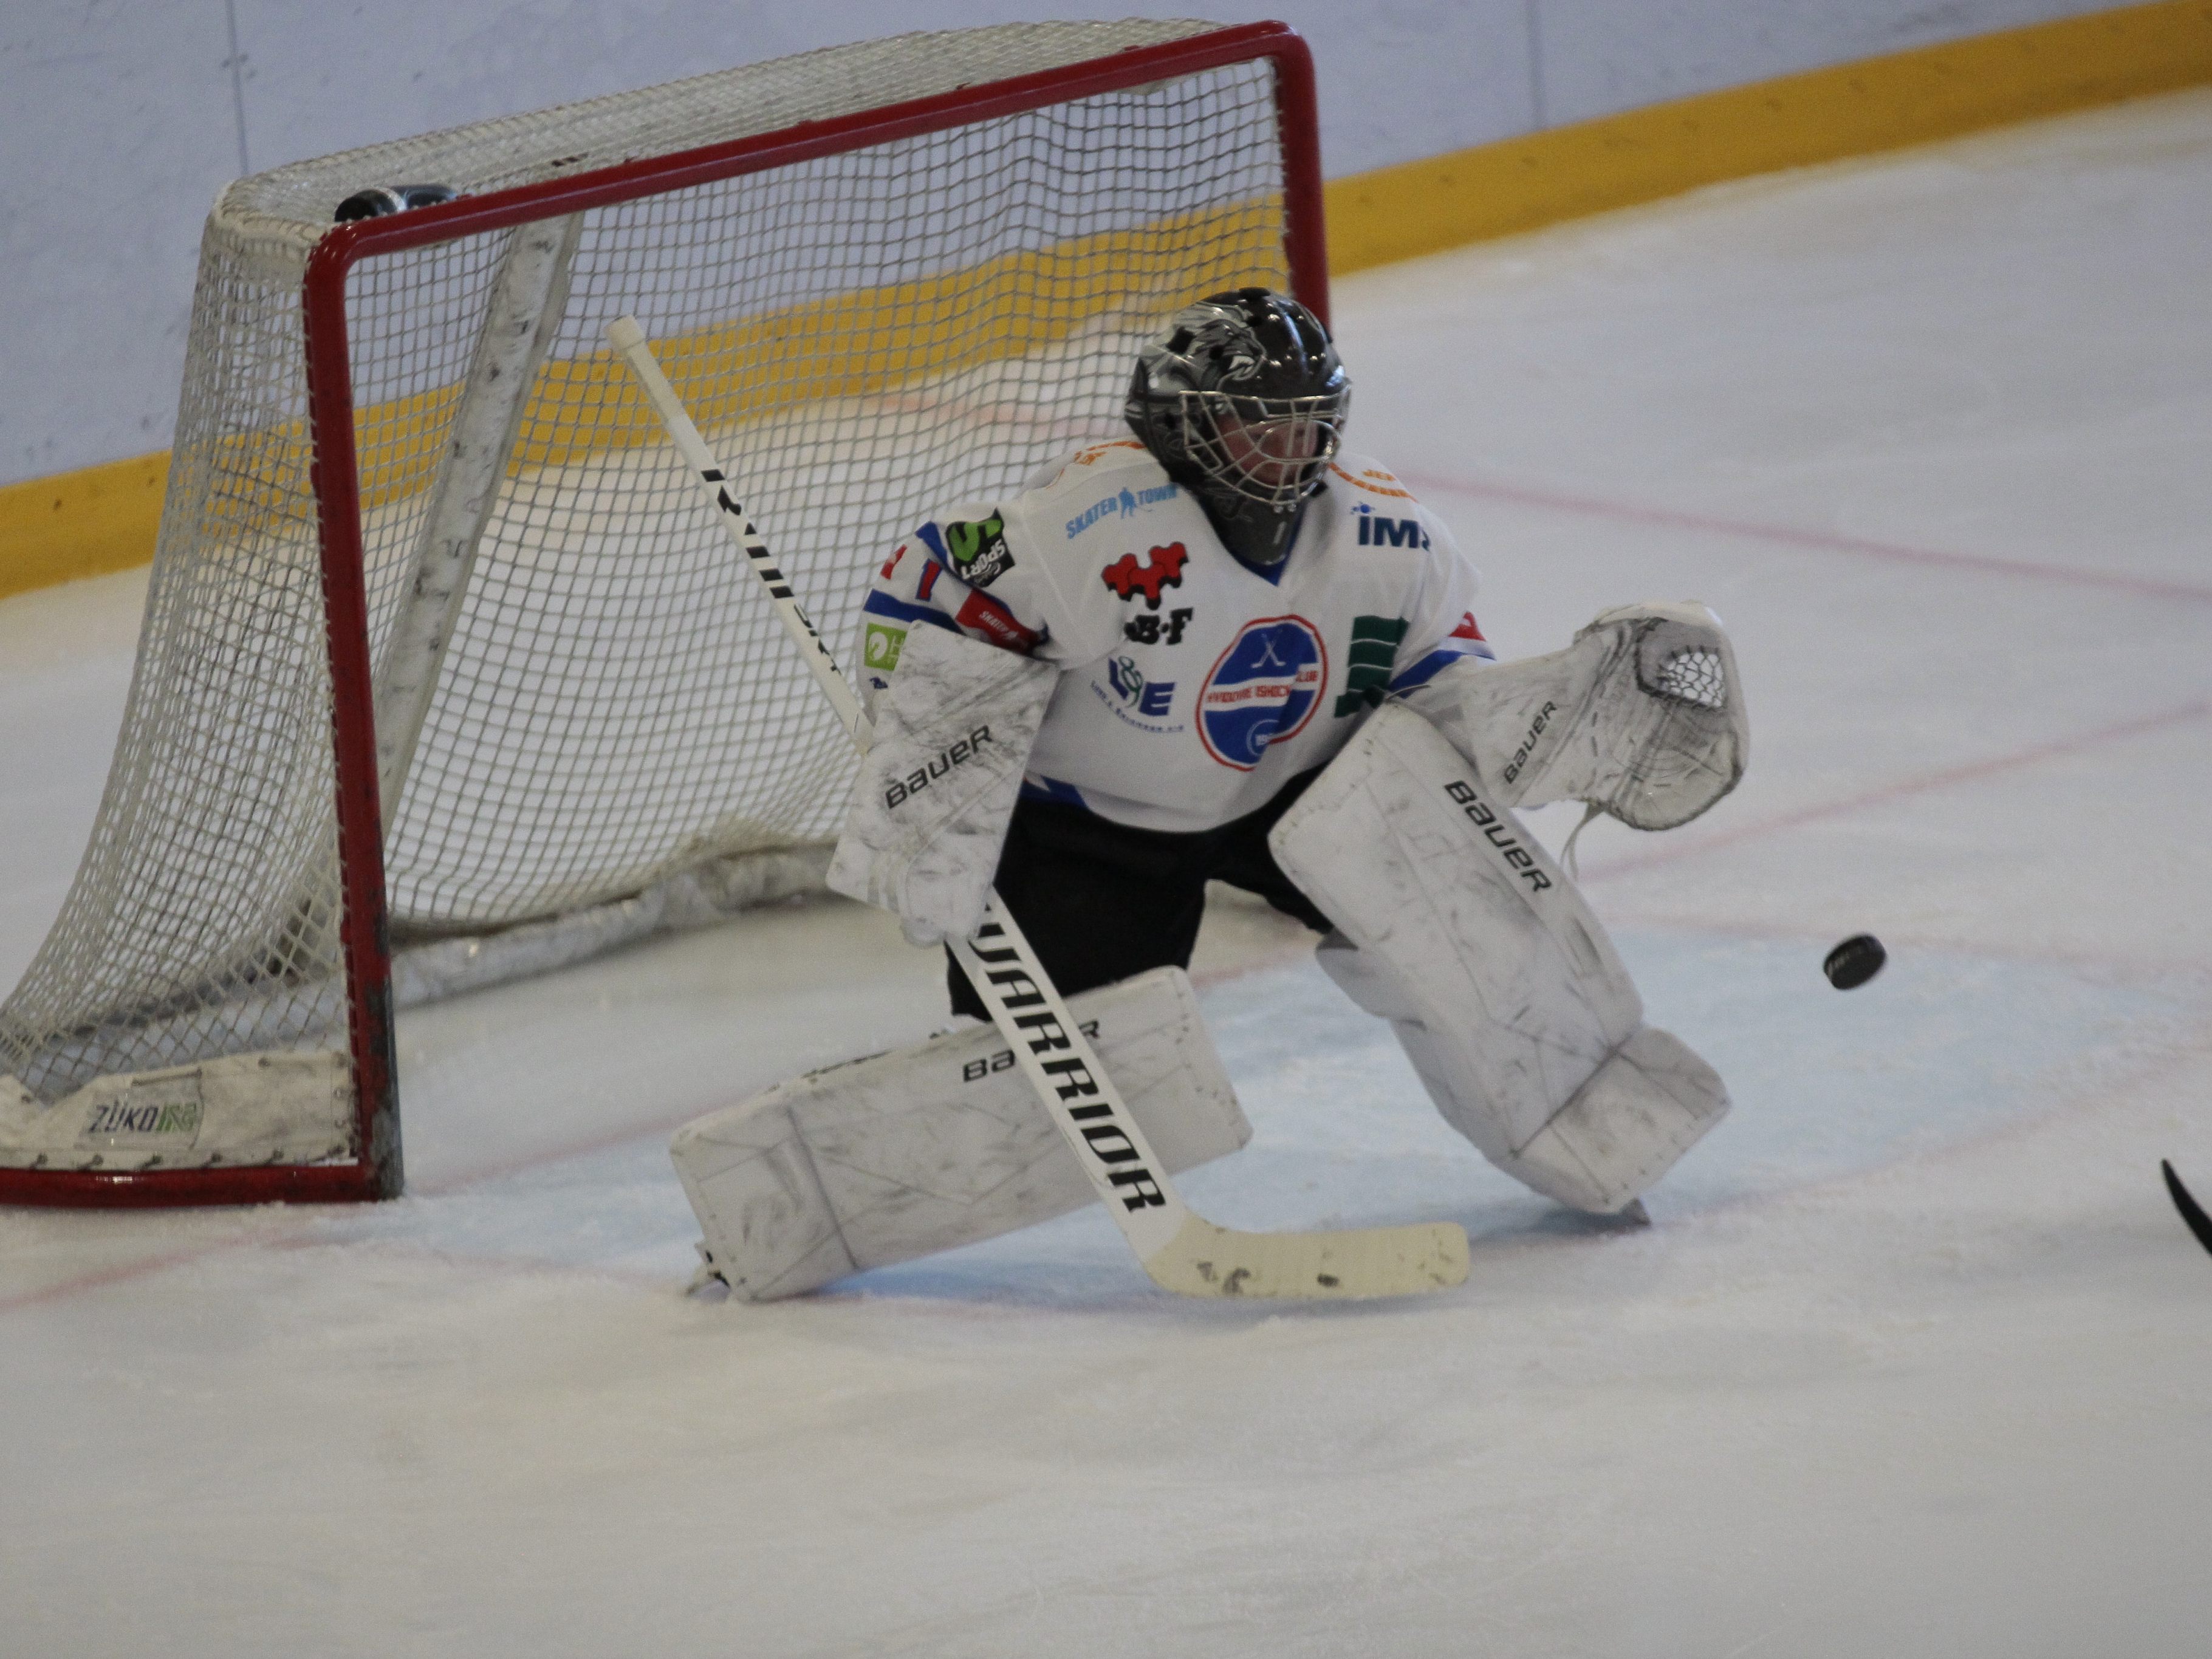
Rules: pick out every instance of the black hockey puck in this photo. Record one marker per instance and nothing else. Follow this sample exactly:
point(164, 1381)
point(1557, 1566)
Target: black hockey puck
point(1855, 962)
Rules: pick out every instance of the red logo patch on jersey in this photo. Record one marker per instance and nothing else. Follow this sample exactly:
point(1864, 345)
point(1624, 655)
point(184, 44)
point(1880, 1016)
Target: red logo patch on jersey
point(891, 563)
point(1163, 568)
point(1466, 628)
point(984, 615)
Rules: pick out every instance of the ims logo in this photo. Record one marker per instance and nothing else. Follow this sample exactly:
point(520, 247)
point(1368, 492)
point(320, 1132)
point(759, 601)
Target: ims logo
point(1375, 531)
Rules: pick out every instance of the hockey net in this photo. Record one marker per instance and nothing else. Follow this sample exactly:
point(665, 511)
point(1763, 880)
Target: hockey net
point(424, 551)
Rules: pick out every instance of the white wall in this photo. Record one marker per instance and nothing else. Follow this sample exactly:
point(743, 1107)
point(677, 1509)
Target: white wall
point(121, 119)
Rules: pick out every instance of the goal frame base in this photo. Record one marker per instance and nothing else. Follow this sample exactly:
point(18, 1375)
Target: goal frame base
point(164, 1189)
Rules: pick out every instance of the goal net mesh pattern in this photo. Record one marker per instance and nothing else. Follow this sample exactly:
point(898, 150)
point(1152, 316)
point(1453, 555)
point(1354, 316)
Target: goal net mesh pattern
point(863, 337)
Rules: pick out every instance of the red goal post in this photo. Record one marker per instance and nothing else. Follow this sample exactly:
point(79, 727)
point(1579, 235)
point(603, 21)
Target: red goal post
point(432, 665)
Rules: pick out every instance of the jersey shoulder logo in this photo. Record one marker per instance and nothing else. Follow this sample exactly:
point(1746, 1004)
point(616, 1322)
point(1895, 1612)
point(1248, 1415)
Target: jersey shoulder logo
point(1263, 690)
point(1122, 503)
point(1378, 531)
point(1163, 568)
point(978, 550)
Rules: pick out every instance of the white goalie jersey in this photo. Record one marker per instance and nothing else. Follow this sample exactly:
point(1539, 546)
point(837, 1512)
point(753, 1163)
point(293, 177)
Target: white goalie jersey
point(1192, 687)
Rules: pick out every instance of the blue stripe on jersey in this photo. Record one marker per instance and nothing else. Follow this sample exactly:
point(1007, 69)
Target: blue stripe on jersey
point(882, 604)
point(1270, 573)
point(1434, 664)
point(1037, 787)
point(940, 563)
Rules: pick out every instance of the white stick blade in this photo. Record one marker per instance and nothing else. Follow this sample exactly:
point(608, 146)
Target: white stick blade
point(1204, 1260)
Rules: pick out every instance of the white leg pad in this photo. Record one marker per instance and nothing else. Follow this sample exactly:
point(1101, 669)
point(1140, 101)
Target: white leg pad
point(907, 1153)
point(1455, 925)
point(1626, 1126)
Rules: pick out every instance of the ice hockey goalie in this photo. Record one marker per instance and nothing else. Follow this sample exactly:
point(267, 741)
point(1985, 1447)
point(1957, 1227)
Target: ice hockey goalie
point(1229, 650)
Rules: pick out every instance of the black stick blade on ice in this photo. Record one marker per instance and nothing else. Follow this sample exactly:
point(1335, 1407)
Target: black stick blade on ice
point(2191, 1211)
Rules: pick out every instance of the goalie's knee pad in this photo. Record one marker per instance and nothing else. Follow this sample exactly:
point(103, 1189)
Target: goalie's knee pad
point(906, 1153)
point(1456, 927)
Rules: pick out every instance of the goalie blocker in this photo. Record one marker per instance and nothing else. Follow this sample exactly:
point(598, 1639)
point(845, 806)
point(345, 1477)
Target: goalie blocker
point(1458, 928)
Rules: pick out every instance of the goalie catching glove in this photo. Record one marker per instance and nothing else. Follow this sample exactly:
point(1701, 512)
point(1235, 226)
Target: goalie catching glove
point(937, 785)
point(1642, 717)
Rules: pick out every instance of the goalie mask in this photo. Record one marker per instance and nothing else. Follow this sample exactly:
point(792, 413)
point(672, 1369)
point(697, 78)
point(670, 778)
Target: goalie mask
point(1243, 401)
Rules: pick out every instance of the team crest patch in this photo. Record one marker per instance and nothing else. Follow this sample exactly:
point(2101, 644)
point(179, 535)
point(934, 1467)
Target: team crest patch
point(1264, 689)
point(978, 550)
point(1163, 568)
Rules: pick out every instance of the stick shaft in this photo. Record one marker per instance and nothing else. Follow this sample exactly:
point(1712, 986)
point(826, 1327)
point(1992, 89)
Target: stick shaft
point(999, 961)
point(629, 340)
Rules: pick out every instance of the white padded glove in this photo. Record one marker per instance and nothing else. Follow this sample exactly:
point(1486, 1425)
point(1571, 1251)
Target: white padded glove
point(929, 810)
point(1641, 716)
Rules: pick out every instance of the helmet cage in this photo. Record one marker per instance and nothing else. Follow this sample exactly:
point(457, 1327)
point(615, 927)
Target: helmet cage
point(1270, 450)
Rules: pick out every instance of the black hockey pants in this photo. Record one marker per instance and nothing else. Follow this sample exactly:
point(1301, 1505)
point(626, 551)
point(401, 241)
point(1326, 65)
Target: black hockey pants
point(1100, 901)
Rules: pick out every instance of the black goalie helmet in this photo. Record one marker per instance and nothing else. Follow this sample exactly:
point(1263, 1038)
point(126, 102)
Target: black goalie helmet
point(1242, 400)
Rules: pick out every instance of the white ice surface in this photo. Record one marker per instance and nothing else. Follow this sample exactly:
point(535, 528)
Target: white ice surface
point(1915, 1361)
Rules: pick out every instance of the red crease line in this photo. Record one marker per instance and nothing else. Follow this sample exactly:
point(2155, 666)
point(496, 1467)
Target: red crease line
point(120, 1274)
point(1925, 783)
point(1821, 541)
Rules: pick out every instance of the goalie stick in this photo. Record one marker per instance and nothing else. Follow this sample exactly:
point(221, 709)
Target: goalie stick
point(1181, 1250)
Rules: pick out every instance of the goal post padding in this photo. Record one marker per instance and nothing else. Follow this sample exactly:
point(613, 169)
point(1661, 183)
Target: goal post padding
point(884, 277)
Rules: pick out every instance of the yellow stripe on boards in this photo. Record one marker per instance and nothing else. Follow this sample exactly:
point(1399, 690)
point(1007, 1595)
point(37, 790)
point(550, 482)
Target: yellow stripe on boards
point(855, 344)
point(874, 341)
point(1823, 115)
point(85, 523)
point(104, 518)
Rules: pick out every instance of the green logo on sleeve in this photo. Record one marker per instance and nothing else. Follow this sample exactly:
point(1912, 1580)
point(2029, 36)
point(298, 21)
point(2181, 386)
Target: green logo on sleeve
point(880, 648)
point(1374, 643)
point(979, 550)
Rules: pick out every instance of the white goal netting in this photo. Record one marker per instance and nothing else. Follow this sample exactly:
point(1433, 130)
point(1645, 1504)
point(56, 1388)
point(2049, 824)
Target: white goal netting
point(613, 734)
